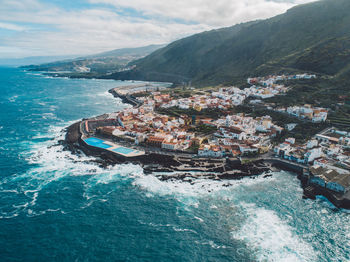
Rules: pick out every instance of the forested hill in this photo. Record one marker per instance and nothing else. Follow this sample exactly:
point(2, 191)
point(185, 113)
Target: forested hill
point(312, 37)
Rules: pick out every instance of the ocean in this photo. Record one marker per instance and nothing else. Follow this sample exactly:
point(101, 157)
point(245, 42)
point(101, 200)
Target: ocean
point(56, 206)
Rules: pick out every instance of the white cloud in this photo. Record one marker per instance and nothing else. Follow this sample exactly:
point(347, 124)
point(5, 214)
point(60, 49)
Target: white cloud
point(213, 13)
point(12, 27)
point(50, 30)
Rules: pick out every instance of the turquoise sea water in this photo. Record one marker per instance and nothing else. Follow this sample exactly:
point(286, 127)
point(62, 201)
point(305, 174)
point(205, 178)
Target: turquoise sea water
point(55, 206)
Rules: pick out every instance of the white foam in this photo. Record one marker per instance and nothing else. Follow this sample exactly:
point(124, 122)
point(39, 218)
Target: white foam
point(111, 174)
point(213, 245)
point(114, 173)
point(52, 163)
point(200, 187)
point(271, 238)
point(13, 99)
point(42, 136)
point(9, 216)
point(53, 108)
point(104, 94)
point(199, 219)
point(51, 116)
point(177, 229)
point(34, 74)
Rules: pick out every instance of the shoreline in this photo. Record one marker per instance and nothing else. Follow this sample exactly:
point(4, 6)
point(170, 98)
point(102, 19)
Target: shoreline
point(157, 163)
point(182, 166)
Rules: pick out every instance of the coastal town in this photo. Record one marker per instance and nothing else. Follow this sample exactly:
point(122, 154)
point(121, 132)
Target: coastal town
point(165, 122)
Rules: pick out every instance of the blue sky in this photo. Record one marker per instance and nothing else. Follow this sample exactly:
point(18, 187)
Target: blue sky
point(79, 27)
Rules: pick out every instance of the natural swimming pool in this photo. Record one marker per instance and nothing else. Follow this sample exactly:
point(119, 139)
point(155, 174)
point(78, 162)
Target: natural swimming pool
point(123, 150)
point(96, 142)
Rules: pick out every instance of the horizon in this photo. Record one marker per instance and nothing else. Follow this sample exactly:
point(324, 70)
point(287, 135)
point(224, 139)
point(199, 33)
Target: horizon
point(35, 28)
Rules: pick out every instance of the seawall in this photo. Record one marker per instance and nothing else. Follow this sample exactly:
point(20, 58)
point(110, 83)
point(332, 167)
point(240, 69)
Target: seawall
point(125, 98)
point(287, 166)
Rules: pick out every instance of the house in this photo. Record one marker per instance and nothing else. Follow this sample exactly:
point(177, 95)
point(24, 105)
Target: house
point(229, 132)
point(330, 179)
point(210, 151)
point(316, 176)
point(313, 153)
point(106, 130)
point(341, 184)
point(169, 145)
point(322, 176)
point(283, 149)
point(290, 140)
point(155, 141)
point(296, 156)
point(312, 143)
point(245, 149)
point(327, 139)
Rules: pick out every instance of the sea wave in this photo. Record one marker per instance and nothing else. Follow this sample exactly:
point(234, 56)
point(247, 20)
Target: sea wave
point(13, 99)
point(271, 238)
point(196, 189)
point(51, 163)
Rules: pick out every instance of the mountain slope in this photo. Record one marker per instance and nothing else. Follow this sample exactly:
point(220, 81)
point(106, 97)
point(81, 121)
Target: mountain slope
point(137, 51)
point(290, 41)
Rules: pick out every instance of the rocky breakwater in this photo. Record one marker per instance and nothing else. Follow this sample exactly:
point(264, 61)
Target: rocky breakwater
point(126, 98)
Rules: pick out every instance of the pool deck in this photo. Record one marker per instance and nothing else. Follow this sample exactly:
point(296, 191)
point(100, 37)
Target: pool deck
point(113, 147)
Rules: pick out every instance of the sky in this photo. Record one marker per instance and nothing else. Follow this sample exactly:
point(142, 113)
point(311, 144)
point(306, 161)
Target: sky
point(80, 27)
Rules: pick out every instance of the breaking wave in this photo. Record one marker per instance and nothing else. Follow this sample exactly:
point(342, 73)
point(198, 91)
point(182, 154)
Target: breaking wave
point(51, 163)
point(271, 238)
point(263, 230)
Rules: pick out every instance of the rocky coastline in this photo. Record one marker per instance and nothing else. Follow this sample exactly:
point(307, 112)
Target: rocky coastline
point(188, 167)
point(159, 163)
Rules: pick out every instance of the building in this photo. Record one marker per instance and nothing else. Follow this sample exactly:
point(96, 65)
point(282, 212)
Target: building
point(155, 141)
point(210, 151)
point(330, 179)
point(169, 145)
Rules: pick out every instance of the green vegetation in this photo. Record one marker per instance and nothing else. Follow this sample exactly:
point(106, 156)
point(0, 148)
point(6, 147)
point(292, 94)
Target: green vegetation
point(312, 37)
point(203, 129)
point(193, 148)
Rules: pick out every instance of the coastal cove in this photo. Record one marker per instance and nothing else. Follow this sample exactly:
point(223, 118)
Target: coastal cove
point(62, 204)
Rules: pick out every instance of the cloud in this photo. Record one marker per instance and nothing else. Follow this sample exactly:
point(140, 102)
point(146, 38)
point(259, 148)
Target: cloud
point(12, 27)
point(213, 13)
point(101, 25)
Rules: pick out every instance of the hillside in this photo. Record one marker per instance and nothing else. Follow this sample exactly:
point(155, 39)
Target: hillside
point(98, 64)
point(312, 37)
